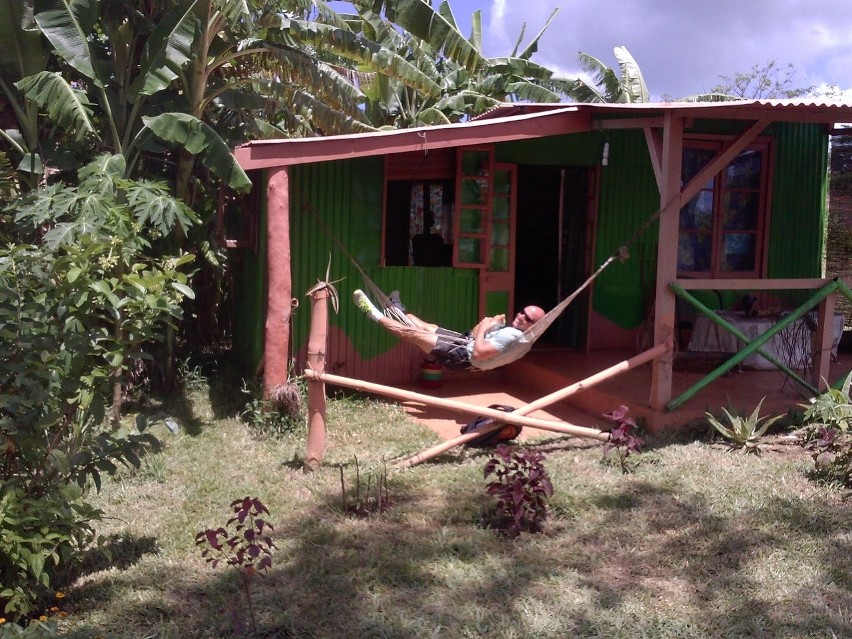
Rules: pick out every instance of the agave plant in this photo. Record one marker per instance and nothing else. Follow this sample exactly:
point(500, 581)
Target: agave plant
point(743, 432)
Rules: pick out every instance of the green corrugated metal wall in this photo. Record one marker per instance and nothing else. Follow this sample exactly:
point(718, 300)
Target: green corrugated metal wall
point(579, 149)
point(346, 199)
point(796, 241)
point(628, 197)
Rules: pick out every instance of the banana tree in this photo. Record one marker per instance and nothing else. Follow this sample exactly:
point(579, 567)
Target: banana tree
point(121, 61)
point(21, 55)
point(469, 82)
point(626, 86)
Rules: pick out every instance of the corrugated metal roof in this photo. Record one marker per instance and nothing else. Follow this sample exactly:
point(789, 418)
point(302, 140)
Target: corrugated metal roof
point(525, 121)
point(731, 109)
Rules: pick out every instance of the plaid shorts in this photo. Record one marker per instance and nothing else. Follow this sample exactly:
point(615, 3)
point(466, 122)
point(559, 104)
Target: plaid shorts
point(451, 350)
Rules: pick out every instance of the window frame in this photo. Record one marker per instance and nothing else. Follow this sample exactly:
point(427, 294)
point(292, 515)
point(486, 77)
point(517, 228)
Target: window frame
point(411, 167)
point(765, 147)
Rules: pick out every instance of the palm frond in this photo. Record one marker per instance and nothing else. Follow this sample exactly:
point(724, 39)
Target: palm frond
point(186, 131)
point(532, 47)
point(420, 19)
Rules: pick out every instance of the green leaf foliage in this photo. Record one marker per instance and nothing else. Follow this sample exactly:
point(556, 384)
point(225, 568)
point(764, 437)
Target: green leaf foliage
point(169, 47)
point(67, 24)
point(79, 306)
point(65, 105)
point(199, 139)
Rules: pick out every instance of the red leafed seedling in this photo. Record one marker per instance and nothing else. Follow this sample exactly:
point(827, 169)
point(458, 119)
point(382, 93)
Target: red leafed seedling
point(244, 543)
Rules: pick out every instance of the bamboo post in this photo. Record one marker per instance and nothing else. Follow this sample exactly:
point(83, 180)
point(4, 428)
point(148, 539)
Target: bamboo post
point(315, 448)
point(511, 418)
point(542, 402)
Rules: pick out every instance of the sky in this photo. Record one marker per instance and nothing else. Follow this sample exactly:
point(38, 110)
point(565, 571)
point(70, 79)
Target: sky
point(681, 46)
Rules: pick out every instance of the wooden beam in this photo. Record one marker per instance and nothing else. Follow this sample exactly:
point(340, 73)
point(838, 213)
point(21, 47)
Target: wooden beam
point(664, 298)
point(630, 123)
point(654, 140)
point(277, 329)
point(717, 164)
point(822, 340)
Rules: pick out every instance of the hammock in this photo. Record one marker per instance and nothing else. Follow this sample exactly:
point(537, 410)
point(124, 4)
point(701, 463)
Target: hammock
point(523, 344)
point(516, 349)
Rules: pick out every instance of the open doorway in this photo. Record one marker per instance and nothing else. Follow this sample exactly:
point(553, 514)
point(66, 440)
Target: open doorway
point(550, 260)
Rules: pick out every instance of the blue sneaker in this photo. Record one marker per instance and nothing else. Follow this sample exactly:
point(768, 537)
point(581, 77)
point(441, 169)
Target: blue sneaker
point(396, 302)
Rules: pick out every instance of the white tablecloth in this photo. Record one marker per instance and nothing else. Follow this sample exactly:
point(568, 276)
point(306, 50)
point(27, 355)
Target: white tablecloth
point(792, 346)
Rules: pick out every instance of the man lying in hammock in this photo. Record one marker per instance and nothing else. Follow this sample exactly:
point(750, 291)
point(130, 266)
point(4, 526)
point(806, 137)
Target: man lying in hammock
point(453, 350)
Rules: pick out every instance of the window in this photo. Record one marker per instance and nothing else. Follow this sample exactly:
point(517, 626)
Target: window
point(722, 226)
point(418, 217)
point(418, 223)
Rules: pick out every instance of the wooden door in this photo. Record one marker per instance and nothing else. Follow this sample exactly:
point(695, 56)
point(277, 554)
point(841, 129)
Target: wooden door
point(485, 226)
point(497, 277)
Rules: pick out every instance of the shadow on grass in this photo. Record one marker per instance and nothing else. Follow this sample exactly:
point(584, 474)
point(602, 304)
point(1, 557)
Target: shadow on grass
point(652, 559)
point(118, 551)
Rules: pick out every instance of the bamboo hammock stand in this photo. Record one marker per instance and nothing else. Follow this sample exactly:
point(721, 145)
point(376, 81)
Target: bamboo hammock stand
point(317, 378)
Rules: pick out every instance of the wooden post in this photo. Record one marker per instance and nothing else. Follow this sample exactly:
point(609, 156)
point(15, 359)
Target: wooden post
point(664, 298)
point(821, 348)
point(315, 449)
point(279, 299)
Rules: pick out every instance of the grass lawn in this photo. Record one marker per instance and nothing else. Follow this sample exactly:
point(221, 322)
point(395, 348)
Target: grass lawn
point(697, 542)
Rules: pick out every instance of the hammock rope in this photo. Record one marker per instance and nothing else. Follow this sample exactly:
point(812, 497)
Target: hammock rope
point(523, 344)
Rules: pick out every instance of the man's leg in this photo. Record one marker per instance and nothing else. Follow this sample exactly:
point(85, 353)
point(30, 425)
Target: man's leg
point(421, 335)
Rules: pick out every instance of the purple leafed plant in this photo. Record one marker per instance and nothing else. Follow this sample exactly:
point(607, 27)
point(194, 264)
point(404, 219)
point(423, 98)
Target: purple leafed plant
point(244, 543)
point(622, 439)
point(521, 485)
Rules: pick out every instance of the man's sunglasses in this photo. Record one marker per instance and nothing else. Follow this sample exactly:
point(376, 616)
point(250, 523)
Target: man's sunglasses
point(527, 317)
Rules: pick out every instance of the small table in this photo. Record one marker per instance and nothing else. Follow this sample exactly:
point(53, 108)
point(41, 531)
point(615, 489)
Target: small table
point(791, 346)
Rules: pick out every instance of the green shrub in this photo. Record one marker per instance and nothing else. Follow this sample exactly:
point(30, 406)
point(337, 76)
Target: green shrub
point(77, 305)
point(828, 432)
point(281, 414)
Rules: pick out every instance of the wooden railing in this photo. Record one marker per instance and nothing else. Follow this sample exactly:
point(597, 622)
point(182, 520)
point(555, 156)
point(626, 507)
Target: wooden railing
point(826, 291)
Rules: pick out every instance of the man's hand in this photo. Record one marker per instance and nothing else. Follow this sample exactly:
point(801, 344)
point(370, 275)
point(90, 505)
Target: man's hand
point(482, 349)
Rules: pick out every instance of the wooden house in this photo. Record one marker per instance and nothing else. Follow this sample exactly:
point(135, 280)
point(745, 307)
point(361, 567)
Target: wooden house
point(714, 201)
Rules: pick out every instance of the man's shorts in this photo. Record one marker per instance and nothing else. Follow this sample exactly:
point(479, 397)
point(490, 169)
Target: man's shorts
point(451, 349)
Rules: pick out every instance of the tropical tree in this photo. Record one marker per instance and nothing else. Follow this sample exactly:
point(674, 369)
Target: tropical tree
point(626, 86)
point(22, 54)
point(464, 82)
point(118, 61)
point(769, 81)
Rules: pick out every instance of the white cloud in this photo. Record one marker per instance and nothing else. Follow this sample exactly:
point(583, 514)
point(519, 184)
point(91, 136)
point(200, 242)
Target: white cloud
point(683, 47)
